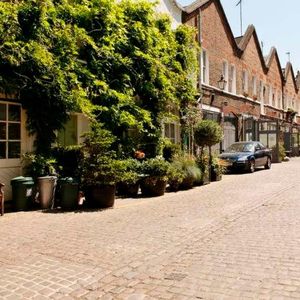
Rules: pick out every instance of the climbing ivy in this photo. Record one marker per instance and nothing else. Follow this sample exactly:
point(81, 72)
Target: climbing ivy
point(117, 61)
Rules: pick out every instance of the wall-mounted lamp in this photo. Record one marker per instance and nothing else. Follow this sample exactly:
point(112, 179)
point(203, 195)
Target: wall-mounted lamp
point(221, 83)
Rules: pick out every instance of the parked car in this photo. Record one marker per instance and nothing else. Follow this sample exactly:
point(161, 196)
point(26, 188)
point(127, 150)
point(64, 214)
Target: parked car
point(246, 156)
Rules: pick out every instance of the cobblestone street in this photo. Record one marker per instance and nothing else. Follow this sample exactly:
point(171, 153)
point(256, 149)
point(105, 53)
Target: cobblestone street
point(235, 239)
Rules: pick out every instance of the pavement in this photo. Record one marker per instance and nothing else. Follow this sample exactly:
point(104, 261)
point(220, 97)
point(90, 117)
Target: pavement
point(234, 239)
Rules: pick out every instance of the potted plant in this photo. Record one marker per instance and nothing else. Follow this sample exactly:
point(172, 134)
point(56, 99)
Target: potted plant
point(192, 173)
point(99, 167)
point(207, 133)
point(155, 172)
point(217, 170)
point(176, 175)
point(129, 184)
point(203, 164)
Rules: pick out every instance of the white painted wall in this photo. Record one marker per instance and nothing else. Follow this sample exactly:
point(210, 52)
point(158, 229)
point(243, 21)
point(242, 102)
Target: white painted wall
point(169, 7)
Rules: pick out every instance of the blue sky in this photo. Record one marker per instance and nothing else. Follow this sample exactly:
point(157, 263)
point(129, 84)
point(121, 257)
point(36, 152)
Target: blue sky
point(276, 23)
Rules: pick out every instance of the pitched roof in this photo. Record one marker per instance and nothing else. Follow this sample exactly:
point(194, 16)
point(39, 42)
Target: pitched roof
point(200, 3)
point(244, 41)
point(195, 5)
point(273, 54)
point(289, 69)
point(177, 4)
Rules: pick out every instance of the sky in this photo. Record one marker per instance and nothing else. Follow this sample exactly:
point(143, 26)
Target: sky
point(277, 24)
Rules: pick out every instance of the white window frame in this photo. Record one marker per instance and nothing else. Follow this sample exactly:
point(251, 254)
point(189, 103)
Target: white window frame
point(176, 138)
point(204, 67)
point(254, 87)
point(232, 79)
point(279, 99)
point(271, 96)
point(7, 122)
point(245, 81)
point(261, 97)
point(225, 74)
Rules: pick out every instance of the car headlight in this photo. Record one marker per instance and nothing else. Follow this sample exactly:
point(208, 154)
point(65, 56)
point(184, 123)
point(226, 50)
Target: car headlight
point(243, 159)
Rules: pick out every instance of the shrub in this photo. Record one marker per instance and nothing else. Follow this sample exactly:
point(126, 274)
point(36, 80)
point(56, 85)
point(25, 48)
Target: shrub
point(68, 160)
point(281, 151)
point(170, 150)
point(37, 165)
point(156, 167)
point(208, 133)
point(99, 164)
point(184, 172)
point(132, 168)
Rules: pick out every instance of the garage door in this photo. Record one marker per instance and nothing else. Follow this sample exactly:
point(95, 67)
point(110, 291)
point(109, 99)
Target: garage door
point(229, 134)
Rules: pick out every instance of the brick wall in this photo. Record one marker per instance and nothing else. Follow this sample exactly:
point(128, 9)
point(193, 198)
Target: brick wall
point(245, 54)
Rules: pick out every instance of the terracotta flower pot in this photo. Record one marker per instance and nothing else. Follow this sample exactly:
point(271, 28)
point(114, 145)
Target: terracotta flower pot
point(128, 190)
point(101, 196)
point(153, 187)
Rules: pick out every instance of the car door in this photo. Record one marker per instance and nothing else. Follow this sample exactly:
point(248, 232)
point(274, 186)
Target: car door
point(258, 154)
point(264, 153)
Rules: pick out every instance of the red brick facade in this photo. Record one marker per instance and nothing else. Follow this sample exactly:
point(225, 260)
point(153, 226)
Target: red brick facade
point(263, 91)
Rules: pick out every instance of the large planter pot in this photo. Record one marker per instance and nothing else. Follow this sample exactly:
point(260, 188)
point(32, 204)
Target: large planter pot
point(100, 196)
point(214, 176)
point(153, 187)
point(205, 178)
point(128, 190)
point(187, 183)
point(173, 186)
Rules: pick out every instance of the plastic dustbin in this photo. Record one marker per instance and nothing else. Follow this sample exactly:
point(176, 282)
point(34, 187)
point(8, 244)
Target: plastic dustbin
point(21, 192)
point(68, 193)
point(46, 188)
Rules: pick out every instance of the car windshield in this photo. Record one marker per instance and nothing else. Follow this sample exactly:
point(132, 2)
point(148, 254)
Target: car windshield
point(241, 147)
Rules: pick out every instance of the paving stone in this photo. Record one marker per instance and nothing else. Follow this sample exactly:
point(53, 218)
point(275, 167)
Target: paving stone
point(234, 239)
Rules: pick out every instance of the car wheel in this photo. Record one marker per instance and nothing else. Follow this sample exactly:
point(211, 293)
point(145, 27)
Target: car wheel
point(251, 168)
point(268, 164)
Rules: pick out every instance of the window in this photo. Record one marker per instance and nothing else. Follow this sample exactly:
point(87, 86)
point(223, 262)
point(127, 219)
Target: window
point(171, 131)
point(67, 136)
point(271, 96)
point(205, 67)
point(232, 80)
point(245, 81)
point(10, 131)
point(262, 92)
point(225, 74)
point(254, 87)
point(279, 99)
point(72, 132)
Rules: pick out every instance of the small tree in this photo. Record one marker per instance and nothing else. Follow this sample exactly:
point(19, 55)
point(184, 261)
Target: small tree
point(208, 133)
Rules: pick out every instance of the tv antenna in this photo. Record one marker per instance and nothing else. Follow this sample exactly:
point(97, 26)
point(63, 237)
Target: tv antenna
point(289, 56)
point(240, 3)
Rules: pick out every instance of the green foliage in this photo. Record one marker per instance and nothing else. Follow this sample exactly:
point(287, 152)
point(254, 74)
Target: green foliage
point(170, 150)
point(208, 133)
point(202, 161)
point(281, 151)
point(117, 61)
point(99, 164)
point(184, 172)
point(176, 174)
point(216, 166)
point(156, 167)
point(132, 169)
point(68, 160)
point(38, 165)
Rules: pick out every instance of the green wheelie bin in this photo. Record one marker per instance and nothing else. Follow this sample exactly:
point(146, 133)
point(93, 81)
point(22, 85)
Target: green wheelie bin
point(68, 193)
point(21, 192)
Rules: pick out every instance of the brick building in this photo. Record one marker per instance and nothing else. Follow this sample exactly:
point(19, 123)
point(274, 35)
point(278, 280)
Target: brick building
point(251, 95)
